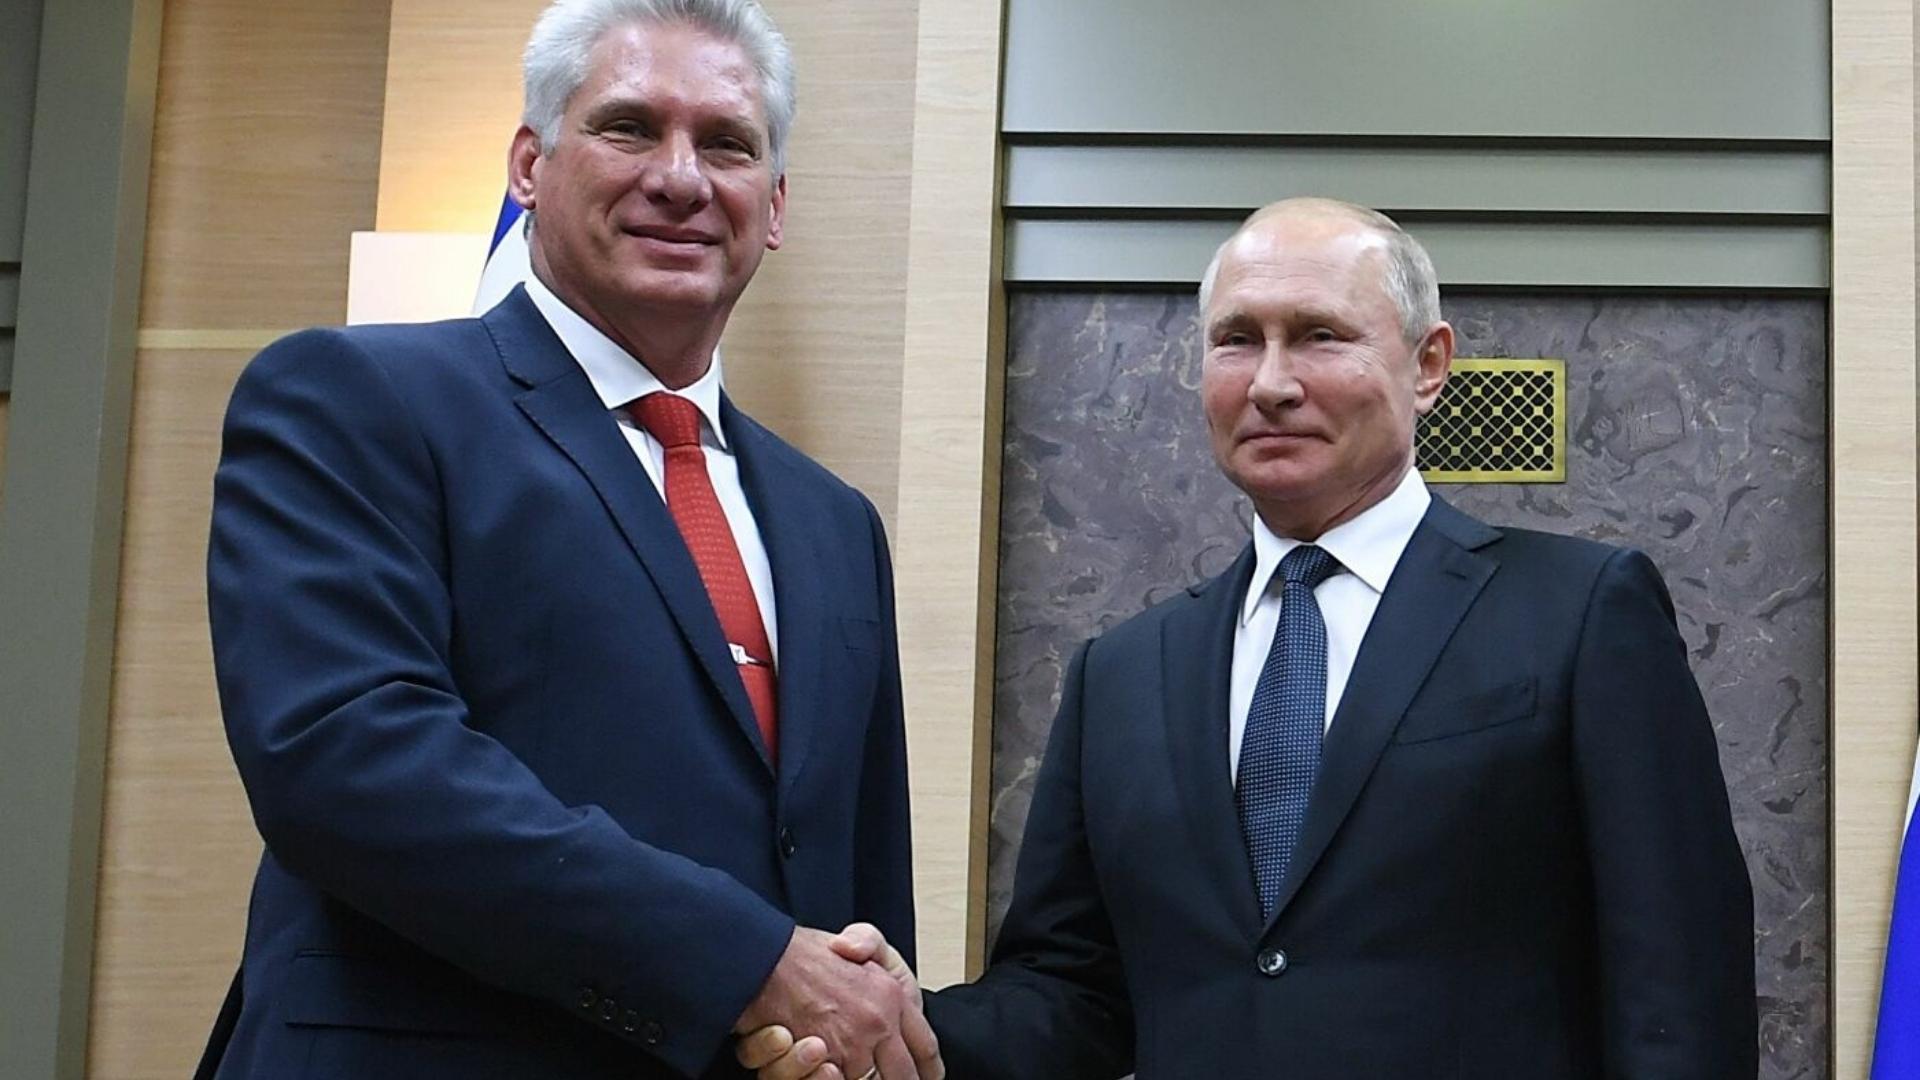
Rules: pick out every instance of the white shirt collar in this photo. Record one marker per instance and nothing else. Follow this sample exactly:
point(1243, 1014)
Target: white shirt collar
point(618, 377)
point(1369, 545)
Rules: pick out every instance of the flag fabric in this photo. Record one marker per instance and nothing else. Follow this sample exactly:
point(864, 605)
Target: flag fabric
point(1896, 1049)
point(508, 263)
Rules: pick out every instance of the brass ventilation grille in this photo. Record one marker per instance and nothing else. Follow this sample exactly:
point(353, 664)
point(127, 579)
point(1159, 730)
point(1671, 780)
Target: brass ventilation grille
point(1497, 422)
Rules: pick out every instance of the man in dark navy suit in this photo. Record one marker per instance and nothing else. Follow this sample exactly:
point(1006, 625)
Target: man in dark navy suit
point(1397, 795)
point(566, 696)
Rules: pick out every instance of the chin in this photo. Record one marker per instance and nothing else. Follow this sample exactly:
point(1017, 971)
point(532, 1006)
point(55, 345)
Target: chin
point(672, 291)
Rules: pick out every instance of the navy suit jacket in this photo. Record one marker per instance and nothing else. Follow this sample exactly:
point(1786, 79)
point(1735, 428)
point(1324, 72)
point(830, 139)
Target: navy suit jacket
point(518, 817)
point(1517, 860)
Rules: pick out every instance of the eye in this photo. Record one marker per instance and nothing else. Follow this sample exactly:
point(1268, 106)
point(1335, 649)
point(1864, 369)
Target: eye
point(734, 146)
point(625, 128)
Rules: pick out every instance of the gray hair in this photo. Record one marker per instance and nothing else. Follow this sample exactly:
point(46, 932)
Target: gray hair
point(1409, 278)
point(558, 55)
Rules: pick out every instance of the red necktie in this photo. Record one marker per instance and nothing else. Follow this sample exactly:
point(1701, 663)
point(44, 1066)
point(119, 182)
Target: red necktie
point(675, 422)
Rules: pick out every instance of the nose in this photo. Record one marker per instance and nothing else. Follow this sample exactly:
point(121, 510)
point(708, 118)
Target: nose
point(1275, 385)
point(673, 175)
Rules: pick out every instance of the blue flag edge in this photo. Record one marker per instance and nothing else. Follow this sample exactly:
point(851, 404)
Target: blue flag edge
point(1896, 1044)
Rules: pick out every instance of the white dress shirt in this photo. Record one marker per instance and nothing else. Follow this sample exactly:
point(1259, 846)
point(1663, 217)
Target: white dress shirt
point(618, 378)
point(1369, 547)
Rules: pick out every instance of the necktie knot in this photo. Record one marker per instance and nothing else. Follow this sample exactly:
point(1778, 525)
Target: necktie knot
point(1308, 565)
point(669, 418)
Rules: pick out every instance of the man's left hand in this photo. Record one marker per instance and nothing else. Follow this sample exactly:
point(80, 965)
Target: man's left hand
point(774, 1054)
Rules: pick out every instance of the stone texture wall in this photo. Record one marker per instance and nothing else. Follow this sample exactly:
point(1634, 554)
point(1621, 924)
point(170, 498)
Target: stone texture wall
point(1698, 435)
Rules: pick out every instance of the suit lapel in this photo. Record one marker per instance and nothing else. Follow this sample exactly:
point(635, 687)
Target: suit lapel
point(561, 402)
point(1436, 581)
point(1196, 649)
point(776, 491)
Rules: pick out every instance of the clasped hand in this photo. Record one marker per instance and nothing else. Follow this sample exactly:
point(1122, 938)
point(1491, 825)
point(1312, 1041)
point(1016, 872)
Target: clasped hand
point(839, 1007)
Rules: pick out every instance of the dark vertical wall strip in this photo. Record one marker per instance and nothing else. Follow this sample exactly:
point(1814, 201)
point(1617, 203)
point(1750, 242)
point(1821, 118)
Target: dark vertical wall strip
point(1699, 435)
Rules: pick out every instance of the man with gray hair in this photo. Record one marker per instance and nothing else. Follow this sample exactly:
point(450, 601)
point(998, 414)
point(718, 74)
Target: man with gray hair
point(1399, 794)
point(566, 696)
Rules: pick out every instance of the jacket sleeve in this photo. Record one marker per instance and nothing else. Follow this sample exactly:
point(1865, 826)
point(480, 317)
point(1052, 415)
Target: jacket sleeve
point(1673, 904)
point(332, 630)
point(1053, 1004)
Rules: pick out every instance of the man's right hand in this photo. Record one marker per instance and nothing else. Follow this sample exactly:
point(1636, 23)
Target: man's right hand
point(774, 1053)
point(856, 1014)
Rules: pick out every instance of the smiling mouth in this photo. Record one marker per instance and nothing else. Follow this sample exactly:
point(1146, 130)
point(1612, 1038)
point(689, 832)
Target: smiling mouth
point(670, 236)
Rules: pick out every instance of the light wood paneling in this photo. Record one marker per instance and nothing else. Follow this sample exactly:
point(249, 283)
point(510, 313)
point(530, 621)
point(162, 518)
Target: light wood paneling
point(453, 103)
point(179, 847)
point(949, 475)
point(264, 165)
point(1875, 685)
point(265, 150)
point(813, 350)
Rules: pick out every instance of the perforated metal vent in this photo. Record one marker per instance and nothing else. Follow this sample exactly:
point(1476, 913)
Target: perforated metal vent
point(1497, 422)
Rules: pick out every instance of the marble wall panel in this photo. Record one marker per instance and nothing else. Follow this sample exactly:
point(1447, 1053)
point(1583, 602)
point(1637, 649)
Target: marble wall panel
point(1698, 434)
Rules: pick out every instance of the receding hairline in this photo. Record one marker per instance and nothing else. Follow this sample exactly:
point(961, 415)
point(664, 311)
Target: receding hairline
point(1313, 207)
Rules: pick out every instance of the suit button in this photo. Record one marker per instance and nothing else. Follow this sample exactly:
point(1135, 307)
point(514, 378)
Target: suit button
point(608, 1010)
point(588, 999)
point(630, 1022)
point(651, 1034)
point(1271, 962)
point(787, 846)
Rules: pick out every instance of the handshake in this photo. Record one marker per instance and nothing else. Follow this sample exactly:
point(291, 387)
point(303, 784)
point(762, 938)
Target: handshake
point(839, 1007)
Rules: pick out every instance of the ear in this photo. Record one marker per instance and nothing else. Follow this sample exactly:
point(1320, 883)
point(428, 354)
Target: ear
point(1434, 355)
point(523, 160)
point(778, 220)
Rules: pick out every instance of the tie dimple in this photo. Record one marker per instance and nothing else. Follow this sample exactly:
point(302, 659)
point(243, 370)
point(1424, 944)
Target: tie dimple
point(1280, 750)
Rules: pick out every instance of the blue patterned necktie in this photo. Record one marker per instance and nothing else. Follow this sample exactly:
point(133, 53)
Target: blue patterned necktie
point(1280, 751)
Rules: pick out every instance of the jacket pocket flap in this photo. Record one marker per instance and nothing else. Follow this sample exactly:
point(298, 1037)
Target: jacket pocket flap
point(333, 990)
point(1468, 713)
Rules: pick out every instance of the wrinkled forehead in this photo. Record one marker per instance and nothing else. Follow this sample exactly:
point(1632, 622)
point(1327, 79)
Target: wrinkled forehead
point(630, 59)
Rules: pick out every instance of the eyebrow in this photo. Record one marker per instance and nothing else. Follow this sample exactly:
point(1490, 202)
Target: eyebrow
point(731, 123)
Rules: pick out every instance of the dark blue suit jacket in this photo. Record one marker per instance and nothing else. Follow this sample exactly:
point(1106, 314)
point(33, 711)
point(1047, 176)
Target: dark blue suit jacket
point(1517, 862)
point(518, 817)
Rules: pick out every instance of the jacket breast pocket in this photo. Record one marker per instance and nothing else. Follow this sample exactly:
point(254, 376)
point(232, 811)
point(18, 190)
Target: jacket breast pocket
point(860, 635)
point(1467, 714)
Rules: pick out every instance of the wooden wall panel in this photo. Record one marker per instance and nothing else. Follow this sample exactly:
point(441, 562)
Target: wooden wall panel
point(814, 349)
point(264, 165)
point(1876, 685)
point(453, 103)
point(265, 149)
point(951, 399)
point(179, 847)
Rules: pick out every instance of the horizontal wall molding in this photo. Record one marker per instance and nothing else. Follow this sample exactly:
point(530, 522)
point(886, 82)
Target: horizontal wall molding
point(1699, 69)
point(250, 339)
point(1595, 252)
point(1460, 176)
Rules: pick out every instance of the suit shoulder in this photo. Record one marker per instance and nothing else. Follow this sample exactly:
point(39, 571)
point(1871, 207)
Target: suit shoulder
point(1568, 553)
point(1574, 568)
point(1144, 629)
point(401, 351)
